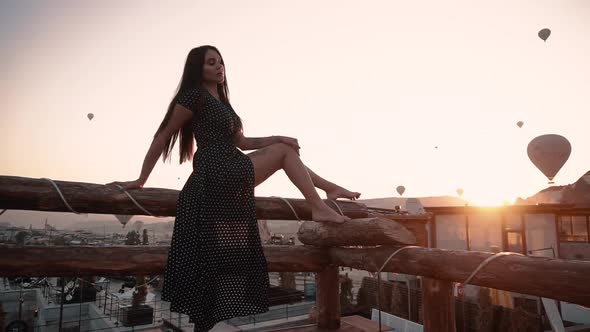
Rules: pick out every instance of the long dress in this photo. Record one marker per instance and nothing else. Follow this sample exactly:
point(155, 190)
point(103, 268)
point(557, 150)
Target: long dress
point(216, 267)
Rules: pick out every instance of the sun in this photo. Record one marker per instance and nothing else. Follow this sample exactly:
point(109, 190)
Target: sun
point(487, 199)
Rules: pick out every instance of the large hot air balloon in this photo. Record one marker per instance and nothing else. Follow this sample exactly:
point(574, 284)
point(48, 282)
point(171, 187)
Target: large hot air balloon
point(519, 124)
point(549, 153)
point(90, 116)
point(544, 34)
point(459, 191)
point(123, 218)
point(400, 190)
point(138, 225)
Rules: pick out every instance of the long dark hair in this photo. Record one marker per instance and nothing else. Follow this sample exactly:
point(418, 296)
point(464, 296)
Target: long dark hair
point(192, 78)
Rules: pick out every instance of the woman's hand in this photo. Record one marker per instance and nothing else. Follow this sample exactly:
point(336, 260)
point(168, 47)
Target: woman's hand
point(290, 141)
point(135, 184)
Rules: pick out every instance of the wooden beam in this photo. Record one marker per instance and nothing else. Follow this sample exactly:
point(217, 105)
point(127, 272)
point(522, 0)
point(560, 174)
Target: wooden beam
point(327, 298)
point(362, 231)
point(438, 305)
point(552, 278)
point(414, 223)
point(20, 193)
point(131, 260)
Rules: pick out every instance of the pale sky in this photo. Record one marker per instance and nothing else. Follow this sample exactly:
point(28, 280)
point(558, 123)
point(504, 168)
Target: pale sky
point(368, 88)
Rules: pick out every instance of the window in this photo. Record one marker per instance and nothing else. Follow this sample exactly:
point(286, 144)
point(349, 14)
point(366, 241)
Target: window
point(514, 242)
point(573, 228)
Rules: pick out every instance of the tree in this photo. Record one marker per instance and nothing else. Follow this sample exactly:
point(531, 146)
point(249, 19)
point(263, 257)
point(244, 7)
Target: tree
point(485, 315)
point(140, 293)
point(2, 315)
point(287, 279)
point(20, 238)
point(132, 239)
point(145, 241)
point(345, 291)
point(59, 241)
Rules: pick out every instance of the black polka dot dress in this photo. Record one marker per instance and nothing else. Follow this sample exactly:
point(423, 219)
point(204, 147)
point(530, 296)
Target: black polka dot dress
point(216, 267)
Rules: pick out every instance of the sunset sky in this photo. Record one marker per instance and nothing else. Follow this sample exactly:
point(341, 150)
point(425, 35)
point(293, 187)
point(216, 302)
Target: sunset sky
point(368, 88)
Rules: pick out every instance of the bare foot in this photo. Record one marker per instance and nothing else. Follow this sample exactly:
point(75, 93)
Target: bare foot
point(324, 213)
point(340, 192)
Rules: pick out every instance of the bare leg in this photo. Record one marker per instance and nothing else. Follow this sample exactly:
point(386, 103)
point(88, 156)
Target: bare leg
point(333, 191)
point(268, 160)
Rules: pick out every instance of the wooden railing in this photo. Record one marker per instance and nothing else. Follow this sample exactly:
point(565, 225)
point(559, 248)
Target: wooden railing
point(552, 278)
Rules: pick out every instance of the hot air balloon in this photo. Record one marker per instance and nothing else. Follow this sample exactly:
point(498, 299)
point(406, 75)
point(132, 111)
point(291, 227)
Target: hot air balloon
point(90, 116)
point(459, 191)
point(123, 218)
point(138, 225)
point(544, 34)
point(519, 124)
point(549, 153)
point(400, 190)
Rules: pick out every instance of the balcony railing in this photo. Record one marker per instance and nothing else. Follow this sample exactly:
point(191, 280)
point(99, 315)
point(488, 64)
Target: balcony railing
point(373, 241)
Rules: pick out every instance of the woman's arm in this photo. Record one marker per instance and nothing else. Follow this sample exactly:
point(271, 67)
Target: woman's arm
point(254, 143)
point(151, 157)
point(180, 115)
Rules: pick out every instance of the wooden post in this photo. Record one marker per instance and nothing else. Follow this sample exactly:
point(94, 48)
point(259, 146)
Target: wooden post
point(467, 239)
point(504, 233)
point(557, 237)
point(327, 298)
point(438, 305)
point(432, 233)
point(523, 235)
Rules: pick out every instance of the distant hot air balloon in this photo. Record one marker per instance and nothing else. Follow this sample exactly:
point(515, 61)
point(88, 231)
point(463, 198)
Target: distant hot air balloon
point(400, 190)
point(519, 124)
point(123, 218)
point(90, 116)
point(459, 191)
point(549, 153)
point(138, 225)
point(544, 34)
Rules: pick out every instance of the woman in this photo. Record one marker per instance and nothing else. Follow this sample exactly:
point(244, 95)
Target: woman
point(216, 267)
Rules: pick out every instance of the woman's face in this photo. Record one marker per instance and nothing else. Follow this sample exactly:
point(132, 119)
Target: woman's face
point(213, 69)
